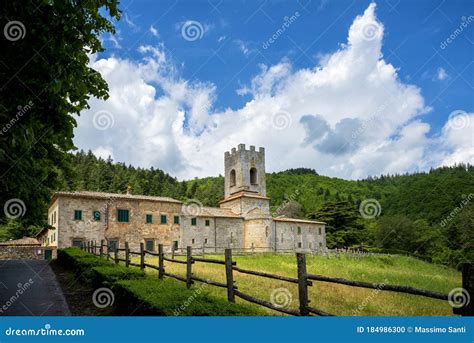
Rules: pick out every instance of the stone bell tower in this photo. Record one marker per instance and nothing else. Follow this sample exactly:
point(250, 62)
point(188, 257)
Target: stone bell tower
point(244, 187)
point(245, 171)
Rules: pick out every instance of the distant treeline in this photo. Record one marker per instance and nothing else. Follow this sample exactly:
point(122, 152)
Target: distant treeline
point(427, 214)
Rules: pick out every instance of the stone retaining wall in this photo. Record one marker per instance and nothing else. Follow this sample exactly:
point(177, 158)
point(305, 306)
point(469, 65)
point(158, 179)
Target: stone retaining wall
point(24, 253)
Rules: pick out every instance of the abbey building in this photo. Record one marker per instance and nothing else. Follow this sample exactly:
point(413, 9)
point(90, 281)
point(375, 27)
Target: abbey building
point(242, 221)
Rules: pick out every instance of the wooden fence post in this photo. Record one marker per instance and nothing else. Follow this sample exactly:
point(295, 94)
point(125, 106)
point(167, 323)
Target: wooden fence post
point(101, 250)
point(302, 283)
point(229, 275)
point(467, 296)
point(189, 263)
point(127, 255)
point(203, 250)
point(116, 258)
point(88, 247)
point(142, 256)
point(161, 262)
point(108, 250)
point(172, 252)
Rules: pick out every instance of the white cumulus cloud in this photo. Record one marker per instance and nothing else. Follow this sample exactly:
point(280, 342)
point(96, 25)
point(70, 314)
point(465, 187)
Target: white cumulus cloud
point(348, 116)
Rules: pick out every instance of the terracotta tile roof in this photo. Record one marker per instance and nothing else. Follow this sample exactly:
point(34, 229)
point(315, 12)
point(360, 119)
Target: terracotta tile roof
point(104, 195)
point(243, 194)
point(218, 212)
point(22, 242)
point(285, 219)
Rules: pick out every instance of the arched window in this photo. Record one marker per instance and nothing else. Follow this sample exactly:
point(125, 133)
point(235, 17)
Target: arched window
point(232, 177)
point(253, 176)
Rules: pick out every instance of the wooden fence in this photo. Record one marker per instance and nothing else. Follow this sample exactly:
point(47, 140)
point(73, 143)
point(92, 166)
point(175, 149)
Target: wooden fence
point(303, 279)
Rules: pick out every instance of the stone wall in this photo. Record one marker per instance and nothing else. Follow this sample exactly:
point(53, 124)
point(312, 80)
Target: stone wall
point(311, 236)
point(135, 231)
point(229, 232)
point(23, 253)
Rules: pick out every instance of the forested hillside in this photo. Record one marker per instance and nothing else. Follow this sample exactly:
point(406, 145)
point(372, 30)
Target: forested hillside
point(427, 214)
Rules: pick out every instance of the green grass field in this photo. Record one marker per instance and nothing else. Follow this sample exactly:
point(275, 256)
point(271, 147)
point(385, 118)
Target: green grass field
point(334, 298)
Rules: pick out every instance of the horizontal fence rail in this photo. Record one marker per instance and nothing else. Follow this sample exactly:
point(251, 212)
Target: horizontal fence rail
point(303, 279)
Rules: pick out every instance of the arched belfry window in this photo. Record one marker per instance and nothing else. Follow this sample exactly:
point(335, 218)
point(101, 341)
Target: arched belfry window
point(232, 177)
point(253, 176)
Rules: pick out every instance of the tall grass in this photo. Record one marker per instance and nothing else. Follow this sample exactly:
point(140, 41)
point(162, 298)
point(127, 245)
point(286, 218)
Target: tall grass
point(334, 298)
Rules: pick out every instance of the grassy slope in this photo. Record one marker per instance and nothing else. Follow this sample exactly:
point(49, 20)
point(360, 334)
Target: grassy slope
point(339, 299)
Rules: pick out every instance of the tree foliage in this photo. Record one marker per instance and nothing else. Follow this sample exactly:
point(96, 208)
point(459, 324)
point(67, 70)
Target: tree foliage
point(46, 80)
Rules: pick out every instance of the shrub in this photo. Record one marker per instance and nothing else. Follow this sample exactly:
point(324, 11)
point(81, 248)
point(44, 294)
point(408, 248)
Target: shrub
point(80, 262)
point(108, 275)
point(169, 297)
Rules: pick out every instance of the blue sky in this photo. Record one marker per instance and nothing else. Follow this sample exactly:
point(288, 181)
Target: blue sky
point(229, 64)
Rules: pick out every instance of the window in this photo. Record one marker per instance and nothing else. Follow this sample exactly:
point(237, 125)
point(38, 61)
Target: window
point(205, 240)
point(54, 217)
point(122, 216)
point(192, 241)
point(193, 221)
point(232, 177)
point(299, 244)
point(310, 245)
point(253, 176)
point(77, 243)
point(266, 231)
point(282, 238)
point(299, 230)
point(77, 215)
point(149, 218)
point(208, 222)
point(175, 245)
point(320, 231)
point(149, 244)
point(96, 215)
point(163, 219)
point(113, 245)
point(320, 244)
point(176, 219)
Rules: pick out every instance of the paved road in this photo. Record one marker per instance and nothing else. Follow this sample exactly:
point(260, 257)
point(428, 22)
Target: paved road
point(30, 288)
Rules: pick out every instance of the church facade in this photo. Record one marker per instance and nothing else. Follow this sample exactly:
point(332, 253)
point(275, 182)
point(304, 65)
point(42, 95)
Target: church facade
point(242, 220)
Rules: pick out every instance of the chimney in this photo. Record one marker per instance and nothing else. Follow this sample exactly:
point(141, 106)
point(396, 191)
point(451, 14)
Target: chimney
point(129, 190)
